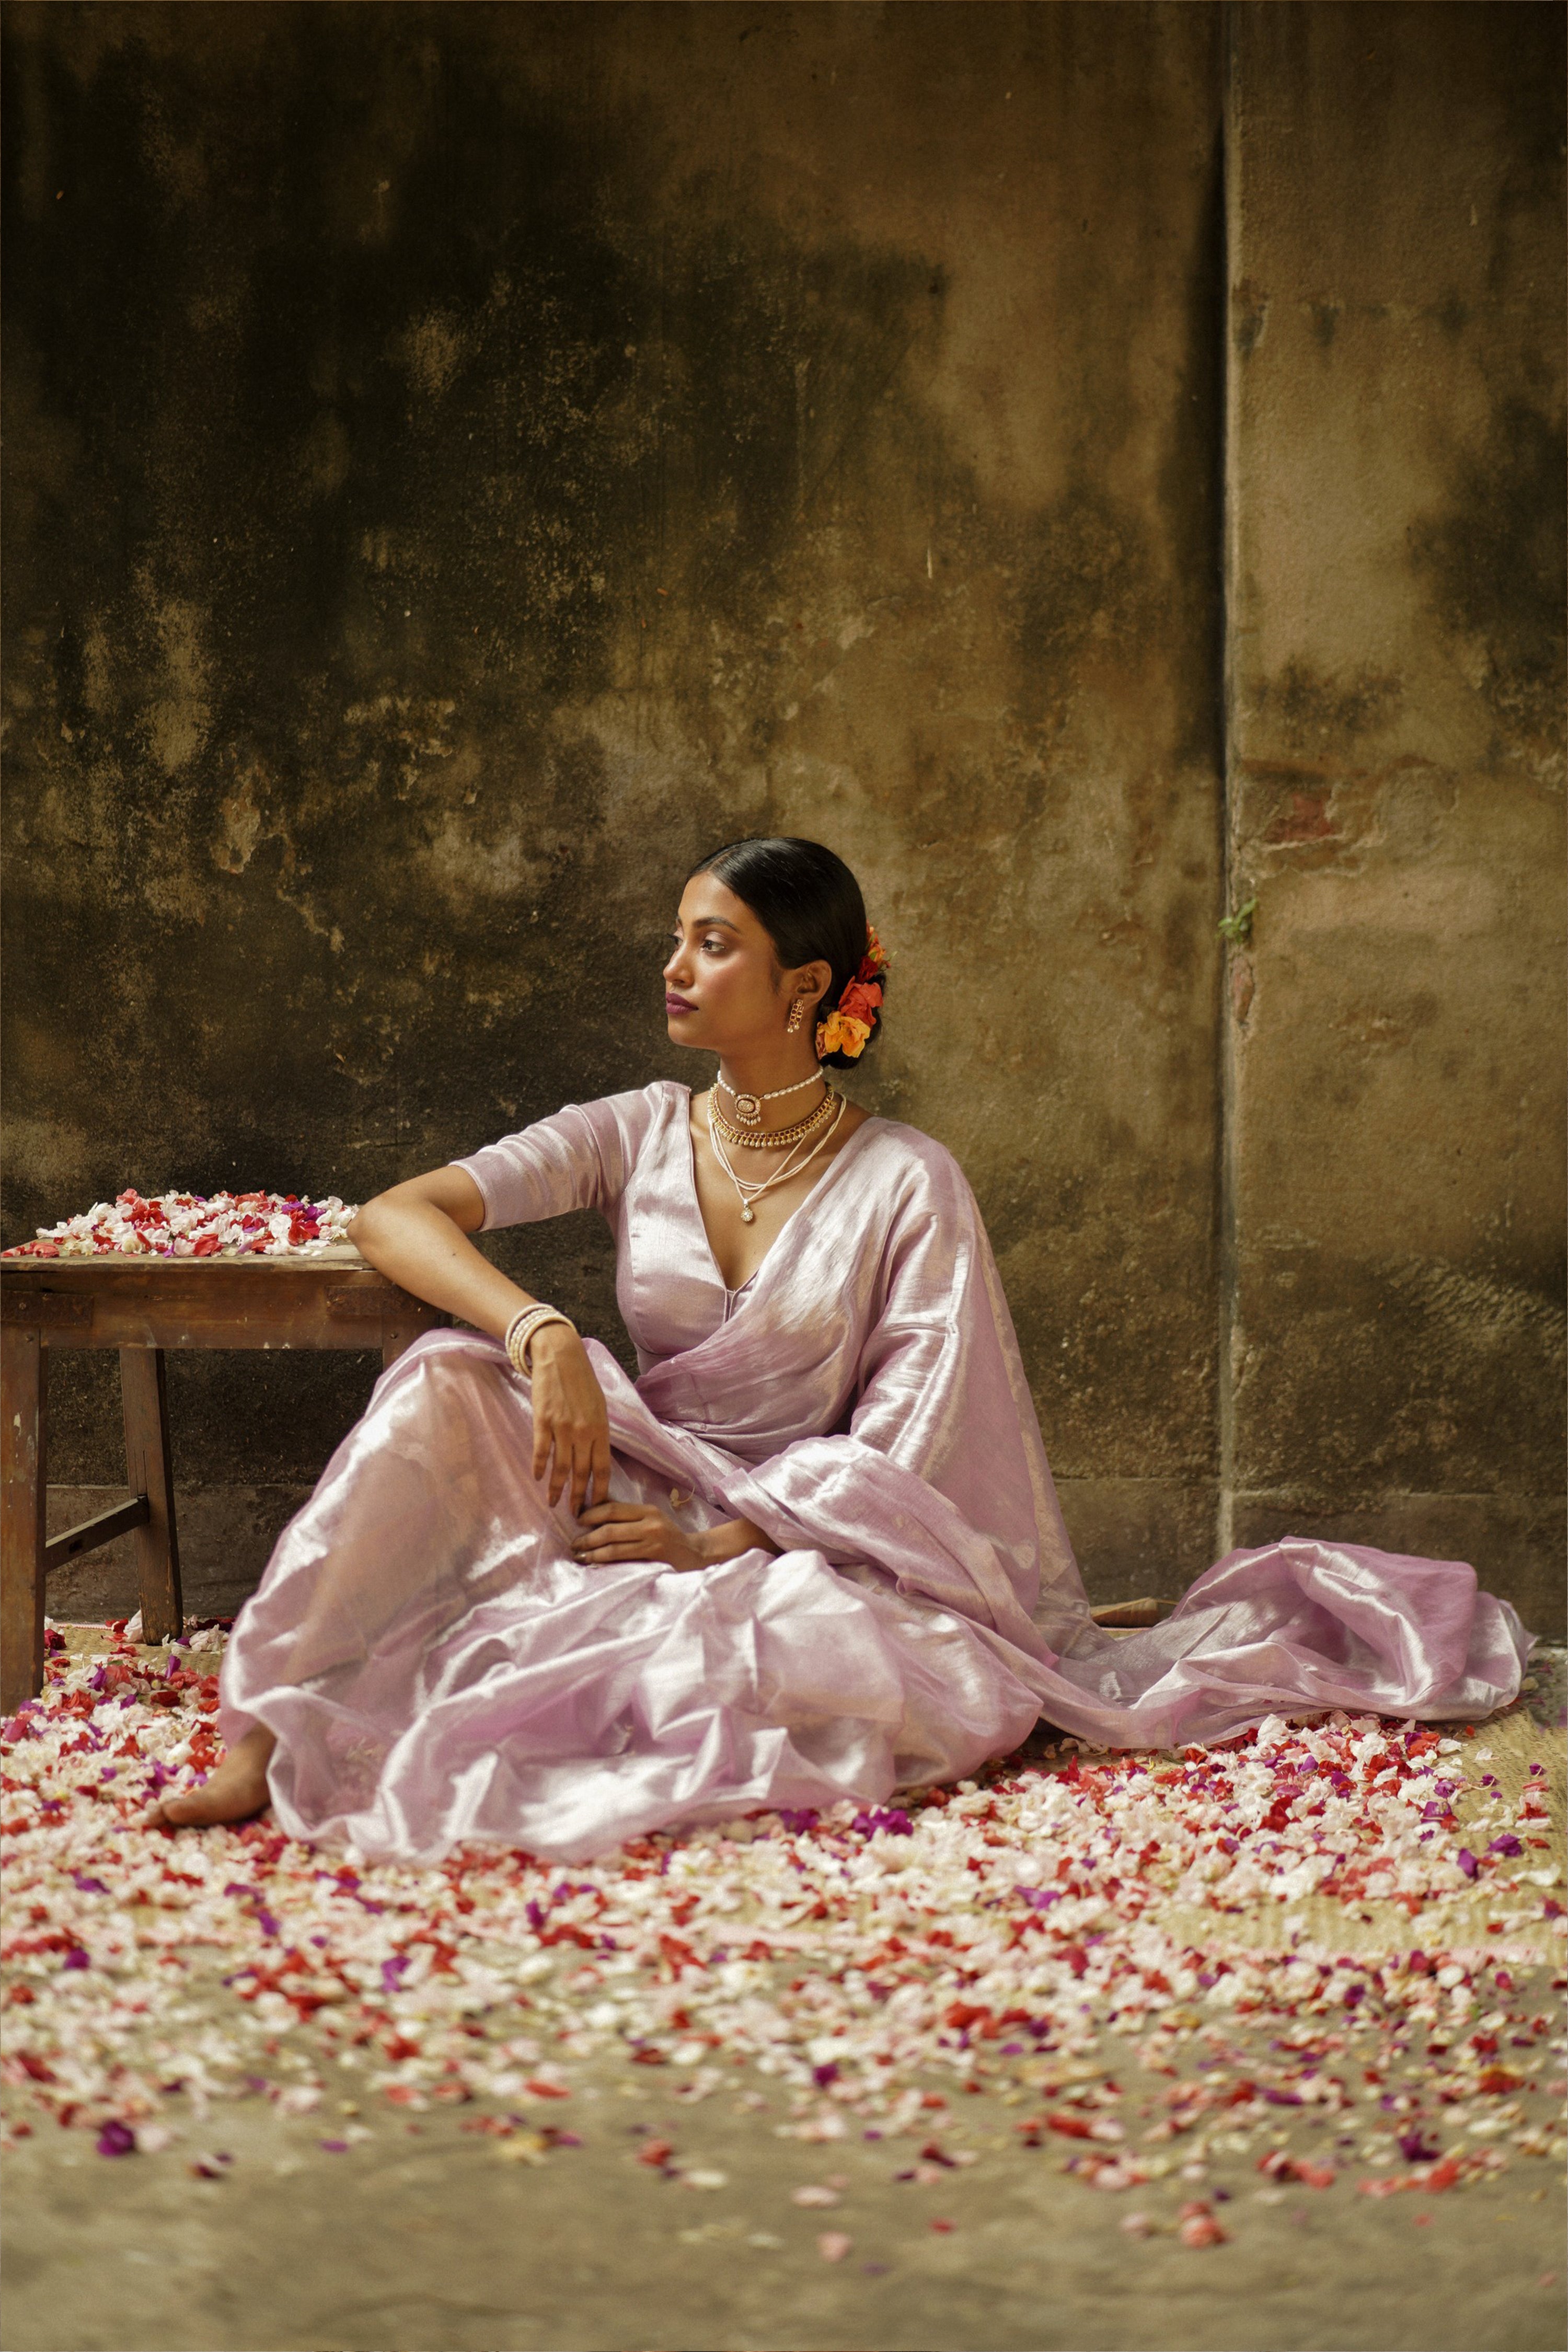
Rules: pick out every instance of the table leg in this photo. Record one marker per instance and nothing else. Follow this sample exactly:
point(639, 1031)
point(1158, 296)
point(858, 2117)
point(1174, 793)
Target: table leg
point(24, 1379)
point(148, 1472)
point(398, 1332)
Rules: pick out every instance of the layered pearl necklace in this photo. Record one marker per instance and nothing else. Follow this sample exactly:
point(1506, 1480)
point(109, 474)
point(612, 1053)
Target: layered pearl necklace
point(749, 1190)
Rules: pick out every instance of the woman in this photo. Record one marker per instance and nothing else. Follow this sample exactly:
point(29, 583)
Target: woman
point(813, 1551)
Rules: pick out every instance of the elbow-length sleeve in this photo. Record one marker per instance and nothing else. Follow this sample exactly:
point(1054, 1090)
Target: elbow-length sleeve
point(940, 1479)
point(576, 1158)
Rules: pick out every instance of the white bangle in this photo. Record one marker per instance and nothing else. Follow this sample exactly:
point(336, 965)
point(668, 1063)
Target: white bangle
point(521, 1330)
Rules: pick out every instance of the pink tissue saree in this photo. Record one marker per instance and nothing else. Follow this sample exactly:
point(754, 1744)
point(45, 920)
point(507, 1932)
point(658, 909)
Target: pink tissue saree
point(437, 1668)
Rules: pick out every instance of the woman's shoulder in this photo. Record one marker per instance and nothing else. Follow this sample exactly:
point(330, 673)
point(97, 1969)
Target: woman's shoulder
point(634, 1115)
point(927, 1167)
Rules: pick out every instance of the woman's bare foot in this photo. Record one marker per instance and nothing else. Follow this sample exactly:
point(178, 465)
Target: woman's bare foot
point(235, 1790)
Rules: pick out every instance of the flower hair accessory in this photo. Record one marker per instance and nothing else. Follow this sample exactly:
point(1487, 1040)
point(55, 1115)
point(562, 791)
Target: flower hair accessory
point(849, 1026)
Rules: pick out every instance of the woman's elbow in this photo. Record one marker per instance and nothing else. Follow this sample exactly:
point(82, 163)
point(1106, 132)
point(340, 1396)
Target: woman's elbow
point(367, 1227)
point(387, 1218)
point(360, 1225)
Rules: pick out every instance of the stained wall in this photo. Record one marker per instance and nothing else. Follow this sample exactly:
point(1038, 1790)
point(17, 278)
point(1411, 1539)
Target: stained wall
point(1393, 1352)
point(463, 463)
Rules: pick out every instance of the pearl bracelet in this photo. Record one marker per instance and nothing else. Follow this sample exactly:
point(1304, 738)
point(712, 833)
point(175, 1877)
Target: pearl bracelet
point(521, 1332)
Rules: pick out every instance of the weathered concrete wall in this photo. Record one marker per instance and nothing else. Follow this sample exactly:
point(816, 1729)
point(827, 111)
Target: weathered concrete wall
point(1395, 802)
point(483, 457)
point(464, 462)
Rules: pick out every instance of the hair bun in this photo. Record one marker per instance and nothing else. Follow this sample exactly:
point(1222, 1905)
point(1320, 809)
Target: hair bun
point(854, 1020)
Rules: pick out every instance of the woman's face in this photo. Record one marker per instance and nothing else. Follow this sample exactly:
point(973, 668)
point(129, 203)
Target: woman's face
point(722, 989)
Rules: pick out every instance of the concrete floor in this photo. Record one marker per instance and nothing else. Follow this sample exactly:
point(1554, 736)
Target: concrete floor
point(428, 2240)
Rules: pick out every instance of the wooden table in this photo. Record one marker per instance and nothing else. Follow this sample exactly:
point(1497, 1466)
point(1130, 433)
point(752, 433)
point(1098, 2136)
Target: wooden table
point(142, 1306)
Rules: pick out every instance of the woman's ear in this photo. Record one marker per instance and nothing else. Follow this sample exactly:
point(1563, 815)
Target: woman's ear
point(814, 980)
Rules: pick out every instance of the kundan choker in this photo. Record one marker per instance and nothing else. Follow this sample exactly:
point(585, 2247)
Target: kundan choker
point(749, 1107)
point(774, 1138)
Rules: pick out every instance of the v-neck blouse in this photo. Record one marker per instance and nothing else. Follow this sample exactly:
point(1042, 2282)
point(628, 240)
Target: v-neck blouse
point(630, 1157)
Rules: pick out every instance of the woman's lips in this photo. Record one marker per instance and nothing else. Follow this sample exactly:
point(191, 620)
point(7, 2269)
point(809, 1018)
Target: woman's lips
point(678, 1004)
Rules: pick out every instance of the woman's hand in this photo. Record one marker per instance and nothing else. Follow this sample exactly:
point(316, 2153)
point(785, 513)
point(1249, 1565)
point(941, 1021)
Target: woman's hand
point(570, 1420)
point(614, 1531)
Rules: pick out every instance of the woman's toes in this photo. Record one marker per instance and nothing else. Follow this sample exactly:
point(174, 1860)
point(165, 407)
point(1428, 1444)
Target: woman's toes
point(185, 1812)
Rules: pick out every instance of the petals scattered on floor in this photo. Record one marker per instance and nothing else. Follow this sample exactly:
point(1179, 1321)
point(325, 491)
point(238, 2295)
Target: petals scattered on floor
point(1314, 1942)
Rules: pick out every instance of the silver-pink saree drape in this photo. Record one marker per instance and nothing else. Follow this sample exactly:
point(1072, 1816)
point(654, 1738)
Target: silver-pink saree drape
point(437, 1668)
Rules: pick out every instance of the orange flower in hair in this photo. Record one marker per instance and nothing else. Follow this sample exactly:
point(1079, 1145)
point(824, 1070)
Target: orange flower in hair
point(841, 1033)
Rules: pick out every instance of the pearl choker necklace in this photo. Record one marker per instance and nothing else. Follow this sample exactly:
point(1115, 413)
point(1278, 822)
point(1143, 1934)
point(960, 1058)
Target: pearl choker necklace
point(749, 1106)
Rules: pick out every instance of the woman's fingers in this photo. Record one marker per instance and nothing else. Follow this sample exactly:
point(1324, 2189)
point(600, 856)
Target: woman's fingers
point(631, 1534)
point(626, 1527)
point(572, 1452)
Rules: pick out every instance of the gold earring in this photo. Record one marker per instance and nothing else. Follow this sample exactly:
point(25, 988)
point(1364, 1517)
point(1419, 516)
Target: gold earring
point(796, 1015)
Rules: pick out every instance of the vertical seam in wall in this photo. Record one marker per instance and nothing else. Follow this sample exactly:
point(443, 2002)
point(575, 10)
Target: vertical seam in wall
point(1225, 1506)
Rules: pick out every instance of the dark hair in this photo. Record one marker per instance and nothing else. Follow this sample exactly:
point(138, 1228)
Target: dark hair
point(809, 903)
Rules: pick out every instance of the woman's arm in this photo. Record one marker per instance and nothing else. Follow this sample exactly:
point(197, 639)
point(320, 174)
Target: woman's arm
point(418, 1235)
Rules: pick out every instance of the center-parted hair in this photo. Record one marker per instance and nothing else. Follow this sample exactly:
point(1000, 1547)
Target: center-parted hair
point(810, 906)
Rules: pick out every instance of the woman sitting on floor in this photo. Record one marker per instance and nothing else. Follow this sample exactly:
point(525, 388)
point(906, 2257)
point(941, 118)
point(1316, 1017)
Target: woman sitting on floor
point(814, 1550)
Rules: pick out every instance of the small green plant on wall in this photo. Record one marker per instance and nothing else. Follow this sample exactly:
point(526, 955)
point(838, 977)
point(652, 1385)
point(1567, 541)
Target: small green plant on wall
point(1237, 928)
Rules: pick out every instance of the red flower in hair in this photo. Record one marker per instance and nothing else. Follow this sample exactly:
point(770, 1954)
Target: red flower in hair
point(860, 999)
point(874, 962)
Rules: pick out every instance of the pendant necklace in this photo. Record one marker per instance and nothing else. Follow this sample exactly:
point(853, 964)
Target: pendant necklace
point(749, 1106)
point(748, 1189)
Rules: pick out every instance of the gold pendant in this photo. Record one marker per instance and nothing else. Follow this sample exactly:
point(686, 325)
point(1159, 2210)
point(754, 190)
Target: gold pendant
point(748, 1109)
